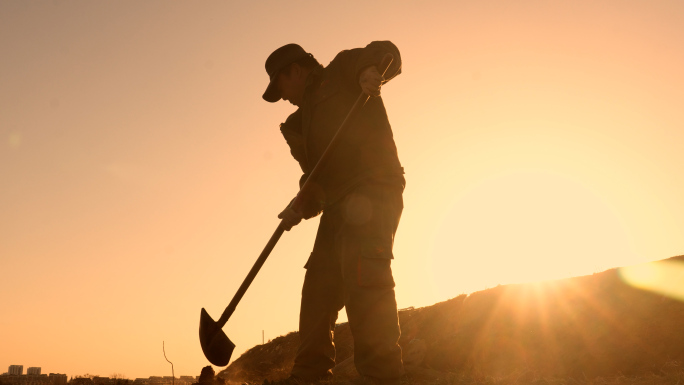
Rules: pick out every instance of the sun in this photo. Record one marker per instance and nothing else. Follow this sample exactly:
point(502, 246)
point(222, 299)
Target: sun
point(524, 226)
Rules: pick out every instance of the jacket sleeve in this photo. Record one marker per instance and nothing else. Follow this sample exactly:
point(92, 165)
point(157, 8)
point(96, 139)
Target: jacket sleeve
point(350, 63)
point(292, 132)
point(309, 209)
point(311, 201)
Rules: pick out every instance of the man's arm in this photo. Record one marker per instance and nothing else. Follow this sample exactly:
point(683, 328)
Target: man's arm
point(290, 217)
point(370, 81)
point(372, 55)
point(309, 206)
point(356, 66)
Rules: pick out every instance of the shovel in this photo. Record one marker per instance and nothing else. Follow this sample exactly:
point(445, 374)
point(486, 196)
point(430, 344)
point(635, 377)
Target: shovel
point(216, 345)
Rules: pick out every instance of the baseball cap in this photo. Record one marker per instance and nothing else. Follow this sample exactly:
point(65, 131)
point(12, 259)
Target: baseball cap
point(279, 59)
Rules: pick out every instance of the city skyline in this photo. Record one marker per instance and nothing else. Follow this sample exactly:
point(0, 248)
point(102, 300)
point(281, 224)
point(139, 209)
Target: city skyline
point(33, 371)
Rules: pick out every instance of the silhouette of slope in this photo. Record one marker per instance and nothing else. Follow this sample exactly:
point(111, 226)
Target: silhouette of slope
point(581, 327)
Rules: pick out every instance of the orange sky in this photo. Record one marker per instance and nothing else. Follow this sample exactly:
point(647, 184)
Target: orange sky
point(142, 172)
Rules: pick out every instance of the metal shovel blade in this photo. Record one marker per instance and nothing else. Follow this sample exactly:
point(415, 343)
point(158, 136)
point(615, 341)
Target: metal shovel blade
point(216, 345)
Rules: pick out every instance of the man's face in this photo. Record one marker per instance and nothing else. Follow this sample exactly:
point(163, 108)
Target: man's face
point(291, 84)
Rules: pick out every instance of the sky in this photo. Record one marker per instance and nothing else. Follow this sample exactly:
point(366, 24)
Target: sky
point(141, 173)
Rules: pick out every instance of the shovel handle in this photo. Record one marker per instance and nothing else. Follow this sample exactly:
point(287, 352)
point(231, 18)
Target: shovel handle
point(360, 102)
point(250, 277)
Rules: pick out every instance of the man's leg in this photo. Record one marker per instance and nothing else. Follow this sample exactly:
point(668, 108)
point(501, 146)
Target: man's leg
point(322, 299)
point(371, 216)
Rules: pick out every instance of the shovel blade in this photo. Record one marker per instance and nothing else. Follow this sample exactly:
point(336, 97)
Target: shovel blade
point(216, 345)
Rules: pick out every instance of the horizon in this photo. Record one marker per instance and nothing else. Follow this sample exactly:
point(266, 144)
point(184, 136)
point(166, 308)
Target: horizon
point(111, 376)
point(143, 173)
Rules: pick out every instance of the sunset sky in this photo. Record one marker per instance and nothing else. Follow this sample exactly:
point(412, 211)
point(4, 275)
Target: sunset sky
point(141, 173)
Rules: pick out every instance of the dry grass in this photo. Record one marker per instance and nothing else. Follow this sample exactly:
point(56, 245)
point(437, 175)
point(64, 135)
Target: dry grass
point(527, 378)
point(531, 379)
point(672, 374)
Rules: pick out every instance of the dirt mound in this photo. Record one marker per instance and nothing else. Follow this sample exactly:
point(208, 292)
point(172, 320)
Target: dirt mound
point(578, 327)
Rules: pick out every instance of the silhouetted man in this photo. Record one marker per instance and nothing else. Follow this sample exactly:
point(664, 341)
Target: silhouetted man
point(359, 193)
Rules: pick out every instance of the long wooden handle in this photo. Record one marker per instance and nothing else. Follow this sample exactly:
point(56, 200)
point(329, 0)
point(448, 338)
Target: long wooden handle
point(360, 102)
point(250, 277)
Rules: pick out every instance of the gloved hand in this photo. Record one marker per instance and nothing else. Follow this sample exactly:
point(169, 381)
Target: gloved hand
point(370, 81)
point(290, 218)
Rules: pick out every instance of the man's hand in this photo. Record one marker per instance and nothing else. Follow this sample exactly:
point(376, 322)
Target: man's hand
point(290, 218)
point(370, 81)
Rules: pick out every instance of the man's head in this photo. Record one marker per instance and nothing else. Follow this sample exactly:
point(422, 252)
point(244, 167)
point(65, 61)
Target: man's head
point(288, 68)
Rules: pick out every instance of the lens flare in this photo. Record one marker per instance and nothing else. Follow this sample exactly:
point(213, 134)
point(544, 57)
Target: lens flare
point(662, 277)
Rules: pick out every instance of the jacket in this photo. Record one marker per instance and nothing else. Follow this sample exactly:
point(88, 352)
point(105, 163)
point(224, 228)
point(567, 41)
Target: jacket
point(367, 149)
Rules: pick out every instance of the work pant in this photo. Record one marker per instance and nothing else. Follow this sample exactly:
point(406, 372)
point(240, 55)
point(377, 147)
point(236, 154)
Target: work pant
point(350, 267)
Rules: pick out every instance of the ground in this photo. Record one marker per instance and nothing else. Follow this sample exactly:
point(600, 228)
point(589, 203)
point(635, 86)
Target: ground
point(594, 329)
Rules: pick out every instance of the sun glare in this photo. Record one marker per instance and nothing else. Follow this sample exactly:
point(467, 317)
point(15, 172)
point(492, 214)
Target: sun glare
point(524, 227)
point(662, 277)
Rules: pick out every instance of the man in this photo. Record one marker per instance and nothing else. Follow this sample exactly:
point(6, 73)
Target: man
point(359, 193)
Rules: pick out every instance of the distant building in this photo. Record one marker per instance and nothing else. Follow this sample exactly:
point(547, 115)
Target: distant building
point(97, 380)
point(57, 379)
point(165, 380)
point(32, 377)
point(16, 370)
point(81, 381)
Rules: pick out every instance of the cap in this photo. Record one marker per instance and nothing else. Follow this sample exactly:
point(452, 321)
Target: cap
point(278, 60)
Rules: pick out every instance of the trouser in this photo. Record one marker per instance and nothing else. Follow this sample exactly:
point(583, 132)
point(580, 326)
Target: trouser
point(350, 267)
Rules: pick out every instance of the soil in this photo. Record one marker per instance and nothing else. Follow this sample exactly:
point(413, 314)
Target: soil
point(581, 329)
